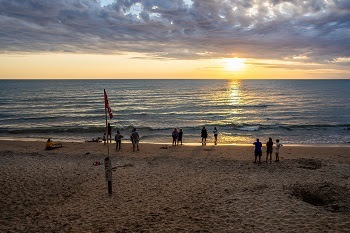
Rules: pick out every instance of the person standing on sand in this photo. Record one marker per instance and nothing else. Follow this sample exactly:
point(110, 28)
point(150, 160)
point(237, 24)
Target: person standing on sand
point(204, 135)
point(109, 133)
point(179, 138)
point(215, 136)
point(257, 151)
point(118, 140)
point(135, 139)
point(278, 146)
point(175, 135)
point(269, 148)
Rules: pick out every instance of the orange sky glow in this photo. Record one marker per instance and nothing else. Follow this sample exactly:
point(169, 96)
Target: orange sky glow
point(89, 66)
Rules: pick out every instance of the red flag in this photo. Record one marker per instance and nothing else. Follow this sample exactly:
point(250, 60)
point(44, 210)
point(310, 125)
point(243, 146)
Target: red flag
point(109, 110)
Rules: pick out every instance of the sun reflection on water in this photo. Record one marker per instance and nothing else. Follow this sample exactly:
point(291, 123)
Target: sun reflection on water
point(235, 100)
point(234, 92)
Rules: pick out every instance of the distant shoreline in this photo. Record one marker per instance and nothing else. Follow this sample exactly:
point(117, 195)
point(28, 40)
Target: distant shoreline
point(209, 144)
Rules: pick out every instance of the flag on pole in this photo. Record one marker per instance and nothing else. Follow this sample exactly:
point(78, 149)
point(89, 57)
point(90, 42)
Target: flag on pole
point(109, 110)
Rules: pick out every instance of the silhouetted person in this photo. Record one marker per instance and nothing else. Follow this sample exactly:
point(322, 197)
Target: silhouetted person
point(135, 138)
point(269, 148)
point(215, 136)
point(175, 135)
point(109, 133)
point(204, 135)
point(118, 140)
point(257, 150)
point(179, 138)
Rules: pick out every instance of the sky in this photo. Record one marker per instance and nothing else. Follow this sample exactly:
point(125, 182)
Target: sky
point(230, 39)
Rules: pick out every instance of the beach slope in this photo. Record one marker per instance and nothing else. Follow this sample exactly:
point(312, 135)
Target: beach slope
point(173, 189)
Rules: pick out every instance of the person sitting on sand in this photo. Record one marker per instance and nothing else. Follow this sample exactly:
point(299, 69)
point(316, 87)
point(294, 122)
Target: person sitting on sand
point(50, 145)
point(215, 136)
point(204, 135)
point(118, 140)
point(175, 135)
point(98, 139)
point(278, 146)
point(257, 151)
point(269, 148)
point(135, 139)
point(179, 138)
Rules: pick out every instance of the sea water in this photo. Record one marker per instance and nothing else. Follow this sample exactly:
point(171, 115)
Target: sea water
point(294, 111)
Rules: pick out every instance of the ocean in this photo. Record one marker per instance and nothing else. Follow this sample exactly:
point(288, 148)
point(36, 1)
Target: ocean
point(294, 111)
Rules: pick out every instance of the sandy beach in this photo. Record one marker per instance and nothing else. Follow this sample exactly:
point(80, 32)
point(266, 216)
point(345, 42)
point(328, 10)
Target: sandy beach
point(173, 189)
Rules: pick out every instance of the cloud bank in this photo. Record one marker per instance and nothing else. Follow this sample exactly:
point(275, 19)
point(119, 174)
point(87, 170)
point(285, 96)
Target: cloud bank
point(317, 30)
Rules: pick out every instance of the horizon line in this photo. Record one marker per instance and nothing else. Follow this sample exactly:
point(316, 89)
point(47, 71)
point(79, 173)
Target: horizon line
point(12, 79)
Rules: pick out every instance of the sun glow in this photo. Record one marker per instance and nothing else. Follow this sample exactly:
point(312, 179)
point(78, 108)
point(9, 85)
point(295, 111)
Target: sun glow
point(234, 64)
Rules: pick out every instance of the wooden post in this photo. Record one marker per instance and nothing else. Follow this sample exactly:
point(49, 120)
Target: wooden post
point(108, 172)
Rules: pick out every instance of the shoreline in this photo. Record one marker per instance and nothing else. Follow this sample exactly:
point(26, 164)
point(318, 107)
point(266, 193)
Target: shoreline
point(126, 141)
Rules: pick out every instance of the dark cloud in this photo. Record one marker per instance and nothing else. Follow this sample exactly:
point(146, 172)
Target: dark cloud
point(174, 29)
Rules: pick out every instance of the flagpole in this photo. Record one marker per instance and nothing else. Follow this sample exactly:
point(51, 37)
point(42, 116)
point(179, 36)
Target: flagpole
point(107, 132)
point(104, 91)
point(108, 162)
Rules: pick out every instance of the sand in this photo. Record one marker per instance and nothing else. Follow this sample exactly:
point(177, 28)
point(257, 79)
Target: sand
point(178, 189)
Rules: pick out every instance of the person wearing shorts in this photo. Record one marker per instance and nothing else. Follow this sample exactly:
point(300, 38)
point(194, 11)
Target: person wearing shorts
point(269, 148)
point(215, 136)
point(278, 146)
point(204, 135)
point(175, 135)
point(135, 139)
point(257, 151)
point(179, 138)
point(118, 140)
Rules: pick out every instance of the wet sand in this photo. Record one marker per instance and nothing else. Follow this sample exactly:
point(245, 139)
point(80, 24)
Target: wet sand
point(173, 189)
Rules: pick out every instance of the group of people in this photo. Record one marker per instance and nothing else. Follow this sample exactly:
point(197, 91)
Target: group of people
point(177, 136)
point(269, 150)
point(134, 138)
point(204, 135)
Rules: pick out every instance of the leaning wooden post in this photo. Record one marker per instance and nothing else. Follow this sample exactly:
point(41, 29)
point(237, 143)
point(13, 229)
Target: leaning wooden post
point(108, 171)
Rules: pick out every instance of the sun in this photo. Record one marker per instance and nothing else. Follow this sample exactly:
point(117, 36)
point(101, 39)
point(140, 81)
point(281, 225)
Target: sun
point(234, 64)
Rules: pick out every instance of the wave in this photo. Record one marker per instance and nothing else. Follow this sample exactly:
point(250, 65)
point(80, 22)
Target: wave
point(249, 128)
point(76, 130)
point(144, 129)
point(256, 127)
point(46, 130)
point(313, 126)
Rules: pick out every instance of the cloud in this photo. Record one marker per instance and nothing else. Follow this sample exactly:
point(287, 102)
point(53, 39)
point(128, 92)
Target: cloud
point(178, 29)
point(341, 60)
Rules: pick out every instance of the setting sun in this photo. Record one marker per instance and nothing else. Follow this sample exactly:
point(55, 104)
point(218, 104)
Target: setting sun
point(234, 64)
